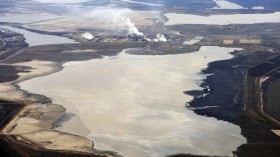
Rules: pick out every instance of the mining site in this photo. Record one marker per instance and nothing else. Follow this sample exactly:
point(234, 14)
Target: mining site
point(149, 78)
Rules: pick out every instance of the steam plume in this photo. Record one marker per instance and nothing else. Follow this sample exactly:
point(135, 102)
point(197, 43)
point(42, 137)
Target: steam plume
point(87, 35)
point(132, 29)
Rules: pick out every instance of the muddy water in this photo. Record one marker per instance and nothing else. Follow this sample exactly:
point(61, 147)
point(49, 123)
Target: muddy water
point(35, 39)
point(135, 105)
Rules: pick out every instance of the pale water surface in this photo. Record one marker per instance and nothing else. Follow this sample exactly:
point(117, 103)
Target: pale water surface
point(193, 41)
point(223, 4)
point(27, 18)
point(35, 39)
point(176, 19)
point(135, 105)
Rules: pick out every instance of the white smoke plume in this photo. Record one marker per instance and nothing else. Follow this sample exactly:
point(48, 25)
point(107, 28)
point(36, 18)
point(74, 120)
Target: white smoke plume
point(87, 35)
point(148, 39)
point(132, 29)
point(160, 38)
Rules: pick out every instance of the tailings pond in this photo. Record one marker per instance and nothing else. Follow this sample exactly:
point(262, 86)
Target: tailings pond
point(135, 104)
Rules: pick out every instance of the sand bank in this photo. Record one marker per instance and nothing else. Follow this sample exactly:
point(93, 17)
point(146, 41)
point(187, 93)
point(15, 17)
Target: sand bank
point(36, 120)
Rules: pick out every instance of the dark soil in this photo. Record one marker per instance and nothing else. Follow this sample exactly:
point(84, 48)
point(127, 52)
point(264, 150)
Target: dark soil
point(227, 86)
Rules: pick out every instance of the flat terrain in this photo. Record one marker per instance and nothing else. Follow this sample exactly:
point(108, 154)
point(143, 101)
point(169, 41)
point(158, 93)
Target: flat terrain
point(261, 140)
point(243, 90)
point(232, 72)
point(8, 110)
point(273, 99)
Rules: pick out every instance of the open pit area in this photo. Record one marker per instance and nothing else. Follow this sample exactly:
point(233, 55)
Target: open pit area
point(266, 139)
point(232, 71)
point(230, 98)
point(241, 92)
